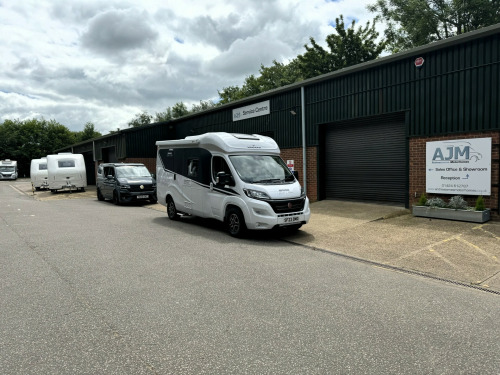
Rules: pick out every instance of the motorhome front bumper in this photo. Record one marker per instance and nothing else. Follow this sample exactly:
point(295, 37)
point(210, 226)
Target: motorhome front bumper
point(263, 215)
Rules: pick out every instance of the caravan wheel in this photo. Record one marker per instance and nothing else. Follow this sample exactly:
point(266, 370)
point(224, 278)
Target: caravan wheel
point(171, 210)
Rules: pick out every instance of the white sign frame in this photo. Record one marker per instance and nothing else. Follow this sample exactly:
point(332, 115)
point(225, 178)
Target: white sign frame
point(459, 167)
point(252, 110)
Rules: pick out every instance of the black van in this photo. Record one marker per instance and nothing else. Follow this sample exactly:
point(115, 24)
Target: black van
point(125, 183)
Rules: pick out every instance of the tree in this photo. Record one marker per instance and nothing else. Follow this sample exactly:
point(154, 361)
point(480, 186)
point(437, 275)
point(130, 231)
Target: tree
point(140, 119)
point(412, 23)
point(88, 132)
point(273, 77)
point(203, 106)
point(348, 46)
point(179, 110)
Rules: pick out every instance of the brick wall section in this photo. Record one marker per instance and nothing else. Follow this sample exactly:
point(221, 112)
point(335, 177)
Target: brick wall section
point(312, 168)
point(417, 169)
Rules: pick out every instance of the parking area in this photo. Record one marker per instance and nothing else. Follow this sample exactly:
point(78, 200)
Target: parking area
point(386, 235)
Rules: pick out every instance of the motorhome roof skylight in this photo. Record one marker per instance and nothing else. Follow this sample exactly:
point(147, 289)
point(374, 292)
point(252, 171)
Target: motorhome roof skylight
point(245, 136)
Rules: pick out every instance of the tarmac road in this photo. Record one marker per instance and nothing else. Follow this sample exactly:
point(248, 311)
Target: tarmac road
point(88, 287)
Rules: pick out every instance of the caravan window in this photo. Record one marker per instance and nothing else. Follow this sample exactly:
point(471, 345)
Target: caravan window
point(42, 167)
point(66, 163)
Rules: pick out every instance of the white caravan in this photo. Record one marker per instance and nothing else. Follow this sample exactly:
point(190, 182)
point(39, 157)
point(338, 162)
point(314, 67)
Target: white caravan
point(66, 171)
point(239, 179)
point(8, 169)
point(39, 174)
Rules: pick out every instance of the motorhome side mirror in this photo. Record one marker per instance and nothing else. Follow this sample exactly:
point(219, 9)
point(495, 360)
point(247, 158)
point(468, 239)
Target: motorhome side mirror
point(296, 174)
point(224, 178)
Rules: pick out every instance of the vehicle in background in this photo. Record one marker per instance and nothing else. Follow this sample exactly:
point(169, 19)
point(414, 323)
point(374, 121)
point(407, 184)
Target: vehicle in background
point(66, 171)
point(239, 179)
point(39, 174)
point(125, 183)
point(8, 169)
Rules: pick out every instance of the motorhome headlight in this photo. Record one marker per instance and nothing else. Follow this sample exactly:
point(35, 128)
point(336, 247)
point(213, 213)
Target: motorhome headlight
point(255, 194)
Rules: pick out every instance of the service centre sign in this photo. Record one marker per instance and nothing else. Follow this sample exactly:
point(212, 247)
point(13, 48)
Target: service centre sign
point(460, 167)
point(253, 110)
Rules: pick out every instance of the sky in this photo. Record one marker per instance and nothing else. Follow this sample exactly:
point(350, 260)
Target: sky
point(104, 62)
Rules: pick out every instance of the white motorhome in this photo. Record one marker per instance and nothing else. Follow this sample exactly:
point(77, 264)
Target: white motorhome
point(39, 174)
point(239, 179)
point(8, 169)
point(66, 171)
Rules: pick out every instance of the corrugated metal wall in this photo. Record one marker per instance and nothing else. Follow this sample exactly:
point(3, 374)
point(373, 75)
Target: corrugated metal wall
point(456, 90)
point(140, 142)
point(117, 141)
point(281, 122)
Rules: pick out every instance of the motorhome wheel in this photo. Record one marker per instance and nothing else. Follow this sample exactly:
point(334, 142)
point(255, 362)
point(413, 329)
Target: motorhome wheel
point(235, 222)
point(171, 210)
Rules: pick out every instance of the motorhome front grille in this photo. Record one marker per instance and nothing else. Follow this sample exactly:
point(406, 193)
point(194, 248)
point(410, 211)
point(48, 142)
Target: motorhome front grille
point(285, 206)
point(147, 187)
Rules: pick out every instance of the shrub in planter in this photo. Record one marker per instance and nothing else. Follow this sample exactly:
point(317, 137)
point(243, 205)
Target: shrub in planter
point(480, 203)
point(457, 203)
point(456, 209)
point(436, 202)
point(422, 201)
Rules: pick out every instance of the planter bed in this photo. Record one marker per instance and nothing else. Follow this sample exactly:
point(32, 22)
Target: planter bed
point(452, 214)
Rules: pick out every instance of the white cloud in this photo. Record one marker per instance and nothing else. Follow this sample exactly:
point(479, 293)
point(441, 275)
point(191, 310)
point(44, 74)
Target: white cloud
point(104, 61)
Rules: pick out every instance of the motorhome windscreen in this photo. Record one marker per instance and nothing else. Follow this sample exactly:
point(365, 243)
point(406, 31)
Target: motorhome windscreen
point(7, 169)
point(66, 163)
point(261, 169)
point(132, 171)
point(42, 167)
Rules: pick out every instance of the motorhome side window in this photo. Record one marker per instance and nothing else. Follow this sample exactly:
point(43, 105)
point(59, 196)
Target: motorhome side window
point(192, 168)
point(219, 165)
point(66, 163)
point(42, 167)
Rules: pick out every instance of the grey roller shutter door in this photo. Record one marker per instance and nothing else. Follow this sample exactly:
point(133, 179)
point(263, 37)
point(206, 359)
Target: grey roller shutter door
point(366, 160)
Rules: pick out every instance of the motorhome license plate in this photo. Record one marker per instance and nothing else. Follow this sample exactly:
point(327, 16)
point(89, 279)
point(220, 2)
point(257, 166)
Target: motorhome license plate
point(142, 196)
point(291, 220)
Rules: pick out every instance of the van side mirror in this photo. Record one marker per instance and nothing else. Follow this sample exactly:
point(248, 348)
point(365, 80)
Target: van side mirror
point(296, 174)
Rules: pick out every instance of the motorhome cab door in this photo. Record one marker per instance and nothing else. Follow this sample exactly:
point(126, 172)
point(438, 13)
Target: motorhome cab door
point(218, 189)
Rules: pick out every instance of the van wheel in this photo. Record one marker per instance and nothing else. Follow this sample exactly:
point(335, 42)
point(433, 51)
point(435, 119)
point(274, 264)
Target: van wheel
point(116, 198)
point(171, 210)
point(235, 222)
point(100, 197)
